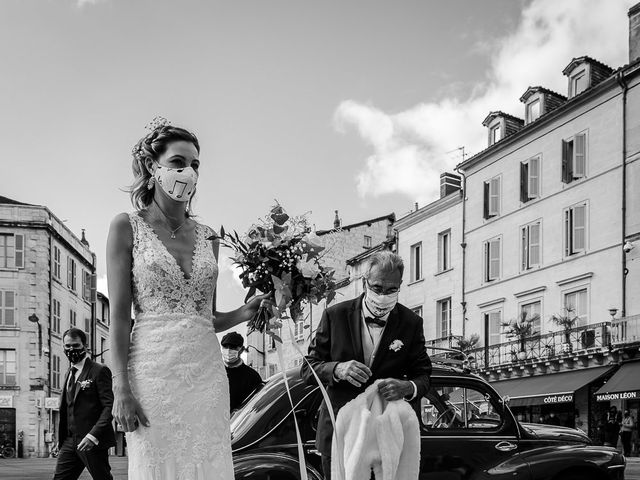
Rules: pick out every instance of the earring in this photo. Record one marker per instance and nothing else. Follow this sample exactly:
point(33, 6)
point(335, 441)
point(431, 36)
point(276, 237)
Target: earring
point(150, 184)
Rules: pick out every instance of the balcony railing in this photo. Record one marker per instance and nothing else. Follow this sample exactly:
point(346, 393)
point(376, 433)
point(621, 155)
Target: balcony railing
point(450, 341)
point(625, 330)
point(588, 338)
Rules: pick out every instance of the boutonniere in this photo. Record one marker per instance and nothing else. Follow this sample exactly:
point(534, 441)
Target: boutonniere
point(396, 345)
point(85, 384)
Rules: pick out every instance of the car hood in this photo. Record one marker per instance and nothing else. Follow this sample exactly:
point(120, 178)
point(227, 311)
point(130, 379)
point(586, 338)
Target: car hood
point(551, 432)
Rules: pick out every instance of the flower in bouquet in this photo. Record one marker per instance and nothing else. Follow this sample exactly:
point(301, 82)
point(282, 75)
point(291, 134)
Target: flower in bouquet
point(277, 256)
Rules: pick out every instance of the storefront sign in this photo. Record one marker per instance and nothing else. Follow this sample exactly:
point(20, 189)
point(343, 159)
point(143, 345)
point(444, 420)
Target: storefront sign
point(604, 397)
point(52, 403)
point(6, 401)
point(558, 398)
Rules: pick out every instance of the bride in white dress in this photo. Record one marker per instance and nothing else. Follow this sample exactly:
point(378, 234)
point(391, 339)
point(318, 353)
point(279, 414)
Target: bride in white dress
point(170, 387)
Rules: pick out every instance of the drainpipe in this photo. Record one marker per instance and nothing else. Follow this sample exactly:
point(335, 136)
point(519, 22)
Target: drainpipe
point(463, 244)
point(625, 87)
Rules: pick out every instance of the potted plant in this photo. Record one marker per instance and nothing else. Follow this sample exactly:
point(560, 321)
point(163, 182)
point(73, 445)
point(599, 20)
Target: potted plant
point(465, 345)
point(568, 320)
point(521, 328)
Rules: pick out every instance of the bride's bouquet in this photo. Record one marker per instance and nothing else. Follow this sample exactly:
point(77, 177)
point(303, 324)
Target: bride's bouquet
point(277, 256)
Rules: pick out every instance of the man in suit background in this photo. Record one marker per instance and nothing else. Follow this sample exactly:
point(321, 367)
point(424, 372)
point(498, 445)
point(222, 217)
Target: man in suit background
point(85, 432)
point(365, 339)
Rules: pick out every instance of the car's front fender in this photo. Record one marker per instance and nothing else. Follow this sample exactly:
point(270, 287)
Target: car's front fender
point(256, 466)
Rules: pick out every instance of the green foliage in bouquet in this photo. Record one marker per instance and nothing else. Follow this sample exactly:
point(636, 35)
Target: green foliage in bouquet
point(277, 256)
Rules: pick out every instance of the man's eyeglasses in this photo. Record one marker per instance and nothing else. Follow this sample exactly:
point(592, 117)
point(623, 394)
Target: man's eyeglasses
point(382, 291)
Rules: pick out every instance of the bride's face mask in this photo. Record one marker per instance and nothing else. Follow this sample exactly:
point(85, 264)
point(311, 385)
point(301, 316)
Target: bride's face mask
point(176, 171)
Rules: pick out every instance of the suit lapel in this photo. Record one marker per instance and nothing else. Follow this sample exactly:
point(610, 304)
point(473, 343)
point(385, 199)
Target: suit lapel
point(388, 336)
point(355, 328)
point(83, 376)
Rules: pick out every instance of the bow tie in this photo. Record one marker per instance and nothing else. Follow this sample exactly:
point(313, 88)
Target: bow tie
point(375, 321)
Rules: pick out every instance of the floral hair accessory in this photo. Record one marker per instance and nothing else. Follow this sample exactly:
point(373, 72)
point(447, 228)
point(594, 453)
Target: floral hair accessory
point(156, 123)
point(396, 345)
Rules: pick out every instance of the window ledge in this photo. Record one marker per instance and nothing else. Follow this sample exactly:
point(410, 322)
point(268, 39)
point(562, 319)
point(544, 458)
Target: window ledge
point(10, 327)
point(416, 281)
point(443, 272)
point(9, 387)
point(8, 269)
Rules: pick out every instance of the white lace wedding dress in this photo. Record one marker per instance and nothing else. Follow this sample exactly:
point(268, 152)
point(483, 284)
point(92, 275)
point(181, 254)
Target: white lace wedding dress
point(175, 365)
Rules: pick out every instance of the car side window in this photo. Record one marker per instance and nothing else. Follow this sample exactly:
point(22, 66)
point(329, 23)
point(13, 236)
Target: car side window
point(459, 407)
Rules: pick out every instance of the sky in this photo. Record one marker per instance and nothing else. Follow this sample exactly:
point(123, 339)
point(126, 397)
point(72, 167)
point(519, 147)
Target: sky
point(354, 106)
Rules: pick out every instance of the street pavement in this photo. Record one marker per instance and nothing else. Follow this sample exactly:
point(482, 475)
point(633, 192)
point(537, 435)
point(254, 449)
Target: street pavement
point(42, 469)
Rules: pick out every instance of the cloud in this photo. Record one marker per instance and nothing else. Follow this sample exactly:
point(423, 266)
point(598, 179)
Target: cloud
point(82, 3)
point(412, 148)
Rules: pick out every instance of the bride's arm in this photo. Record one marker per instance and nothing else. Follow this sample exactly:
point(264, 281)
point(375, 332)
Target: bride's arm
point(126, 409)
point(119, 251)
point(226, 320)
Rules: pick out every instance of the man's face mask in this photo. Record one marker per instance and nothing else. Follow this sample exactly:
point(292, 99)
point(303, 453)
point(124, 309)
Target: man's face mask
point(230, 355)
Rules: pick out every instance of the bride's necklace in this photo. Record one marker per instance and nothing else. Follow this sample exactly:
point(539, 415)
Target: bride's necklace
point(166, 217)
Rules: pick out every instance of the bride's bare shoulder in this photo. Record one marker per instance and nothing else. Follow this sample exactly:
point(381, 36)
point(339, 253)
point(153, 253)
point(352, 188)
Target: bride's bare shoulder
point(120, 223)
point(120, 231)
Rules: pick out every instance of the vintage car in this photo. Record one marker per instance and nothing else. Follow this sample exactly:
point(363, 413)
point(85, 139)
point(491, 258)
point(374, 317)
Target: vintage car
point(467, 432)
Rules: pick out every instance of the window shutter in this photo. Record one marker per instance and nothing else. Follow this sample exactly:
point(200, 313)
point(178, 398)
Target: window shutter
point(486, 262)
point(19, 257)
point(1, 309)
point(486, 200)
point(524, 196)
point(534, 245)
point(567, 232)
point(524, 264)
point(9, 309)
point(69, 273)
point(567, 161)
point(494, 197)
point(579, 228)
point(534, 175)
point(579, 159)
point(494, 327)
point(494, 259)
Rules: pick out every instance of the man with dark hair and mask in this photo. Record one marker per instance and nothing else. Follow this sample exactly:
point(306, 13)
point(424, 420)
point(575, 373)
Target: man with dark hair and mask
point(243, 380)
point(85, 432)
point(369, 338)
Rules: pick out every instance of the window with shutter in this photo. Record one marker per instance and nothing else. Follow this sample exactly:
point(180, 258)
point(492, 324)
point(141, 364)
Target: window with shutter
point(580, 156)
point(494, 197)
point(575, 229)
point(577, 303)
point(7, 308)
point(56, 263)
point(416, 262)
point(444, 251)
point(524, 182)
point(19, 254)
point(492, 259)
point(444, 316)
point(69, 272)
point(492, 322)
point(530, 240)
point(533, 178)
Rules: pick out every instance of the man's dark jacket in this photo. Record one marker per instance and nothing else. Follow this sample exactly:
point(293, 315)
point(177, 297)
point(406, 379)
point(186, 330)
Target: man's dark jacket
point(90, 407)
point(339, 339)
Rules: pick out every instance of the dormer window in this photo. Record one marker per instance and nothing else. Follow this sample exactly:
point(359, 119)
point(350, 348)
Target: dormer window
point(495, 134)
point(578, 82)
point(533, 110)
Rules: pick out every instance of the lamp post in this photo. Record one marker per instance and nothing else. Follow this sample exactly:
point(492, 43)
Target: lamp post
point(34, 319)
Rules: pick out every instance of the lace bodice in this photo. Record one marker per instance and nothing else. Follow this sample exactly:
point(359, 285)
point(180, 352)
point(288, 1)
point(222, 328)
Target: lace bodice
point(159, 285)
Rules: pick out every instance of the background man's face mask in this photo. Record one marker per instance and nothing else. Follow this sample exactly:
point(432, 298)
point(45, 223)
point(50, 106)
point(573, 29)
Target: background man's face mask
point(230, 355)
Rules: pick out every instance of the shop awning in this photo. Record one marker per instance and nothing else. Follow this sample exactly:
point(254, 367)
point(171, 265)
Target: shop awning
point(548, 389)
point(625, 384)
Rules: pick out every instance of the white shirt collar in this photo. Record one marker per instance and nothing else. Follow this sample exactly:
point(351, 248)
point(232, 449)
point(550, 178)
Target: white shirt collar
point(80, 365)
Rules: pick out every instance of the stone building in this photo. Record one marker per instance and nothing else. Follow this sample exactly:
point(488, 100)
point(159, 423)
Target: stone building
point(344, 247)
point(551, 225)
point(429, 241)
point(46, 285)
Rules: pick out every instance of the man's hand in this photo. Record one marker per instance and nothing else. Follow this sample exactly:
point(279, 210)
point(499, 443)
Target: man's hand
point(85, 445)
point(353, 372)
point(393, 389)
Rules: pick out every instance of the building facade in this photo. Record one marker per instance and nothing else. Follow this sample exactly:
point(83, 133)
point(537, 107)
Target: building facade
point(429, 241)
point(344, 248)
point(46, 280)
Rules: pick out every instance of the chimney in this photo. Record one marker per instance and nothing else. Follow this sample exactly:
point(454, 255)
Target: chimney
point(336, 221)
point(634, 32)
point(449, 183)
point(84, 239)
point(416, 206)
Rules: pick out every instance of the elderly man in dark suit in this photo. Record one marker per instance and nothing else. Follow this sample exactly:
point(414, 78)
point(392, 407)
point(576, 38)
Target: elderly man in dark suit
point(85, 432)
point(366, 339)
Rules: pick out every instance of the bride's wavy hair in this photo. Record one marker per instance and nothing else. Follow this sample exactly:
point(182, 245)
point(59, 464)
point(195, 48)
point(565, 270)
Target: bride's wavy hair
point(152, 146)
